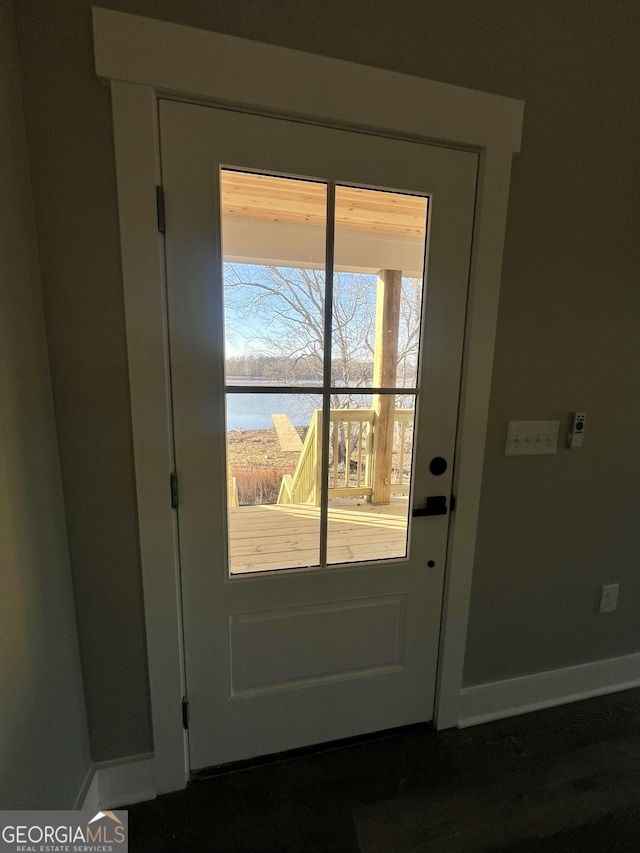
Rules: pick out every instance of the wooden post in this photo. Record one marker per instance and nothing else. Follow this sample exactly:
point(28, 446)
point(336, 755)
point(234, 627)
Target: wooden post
point(232, 490)
point(385, 366)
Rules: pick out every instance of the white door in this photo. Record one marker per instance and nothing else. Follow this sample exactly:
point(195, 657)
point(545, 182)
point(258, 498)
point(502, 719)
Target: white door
point(317, 285)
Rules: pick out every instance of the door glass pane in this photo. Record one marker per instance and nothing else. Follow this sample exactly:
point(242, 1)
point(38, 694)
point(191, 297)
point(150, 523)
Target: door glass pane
point(273, 244)
point(273, 493)
point(380, 241)
point(274, 241)
point(369, 478)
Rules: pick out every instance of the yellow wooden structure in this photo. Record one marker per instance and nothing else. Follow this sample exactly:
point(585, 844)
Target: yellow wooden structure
point(354, 475)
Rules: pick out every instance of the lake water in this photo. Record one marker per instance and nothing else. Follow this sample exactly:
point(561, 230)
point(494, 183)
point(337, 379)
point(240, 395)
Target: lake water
point(253, 411)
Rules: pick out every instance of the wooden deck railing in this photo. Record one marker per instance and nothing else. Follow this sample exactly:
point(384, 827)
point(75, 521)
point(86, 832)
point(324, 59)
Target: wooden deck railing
point(350, 453)
point(351, 457)
point(402, 420)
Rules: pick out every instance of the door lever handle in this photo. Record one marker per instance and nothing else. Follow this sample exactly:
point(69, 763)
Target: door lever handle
point(436, 505)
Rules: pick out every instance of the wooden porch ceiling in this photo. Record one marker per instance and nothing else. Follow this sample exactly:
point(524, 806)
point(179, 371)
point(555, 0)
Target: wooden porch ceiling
point(276, 199)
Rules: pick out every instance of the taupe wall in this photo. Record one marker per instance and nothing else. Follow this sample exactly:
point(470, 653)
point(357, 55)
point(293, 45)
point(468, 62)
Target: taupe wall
point(553, 529)
point(44, 743)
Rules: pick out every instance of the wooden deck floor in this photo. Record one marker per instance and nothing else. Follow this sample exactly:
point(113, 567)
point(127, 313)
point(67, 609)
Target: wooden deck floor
point(264, 538)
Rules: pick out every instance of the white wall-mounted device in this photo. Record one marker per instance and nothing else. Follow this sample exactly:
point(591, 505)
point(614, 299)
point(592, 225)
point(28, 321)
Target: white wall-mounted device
point(576, 433)
point(531, 438)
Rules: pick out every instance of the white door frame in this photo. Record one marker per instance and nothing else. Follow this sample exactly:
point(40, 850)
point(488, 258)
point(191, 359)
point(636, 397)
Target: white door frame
point(144, 59)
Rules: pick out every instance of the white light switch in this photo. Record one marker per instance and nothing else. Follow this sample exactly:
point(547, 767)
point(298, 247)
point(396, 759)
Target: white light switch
point(532, 438)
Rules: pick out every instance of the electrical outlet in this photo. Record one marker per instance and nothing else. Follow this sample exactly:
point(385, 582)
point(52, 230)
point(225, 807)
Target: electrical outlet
point(609, 598)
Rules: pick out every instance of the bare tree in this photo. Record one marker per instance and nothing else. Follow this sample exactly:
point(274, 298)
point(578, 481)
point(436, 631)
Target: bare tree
point(279, 312)
point(274, 316)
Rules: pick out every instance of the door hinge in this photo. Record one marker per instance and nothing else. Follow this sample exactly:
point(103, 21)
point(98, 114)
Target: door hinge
point(174, 490)
point(185, 712)
point(160, 209)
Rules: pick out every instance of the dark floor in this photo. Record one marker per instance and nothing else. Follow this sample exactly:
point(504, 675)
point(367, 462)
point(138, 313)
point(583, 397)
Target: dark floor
point(565, 779)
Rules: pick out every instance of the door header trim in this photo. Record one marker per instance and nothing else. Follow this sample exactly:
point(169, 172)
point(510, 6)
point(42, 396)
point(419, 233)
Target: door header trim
point(180, 60)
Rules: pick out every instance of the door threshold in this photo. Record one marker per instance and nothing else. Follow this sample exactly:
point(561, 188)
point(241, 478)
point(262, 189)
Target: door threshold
point(302, 751)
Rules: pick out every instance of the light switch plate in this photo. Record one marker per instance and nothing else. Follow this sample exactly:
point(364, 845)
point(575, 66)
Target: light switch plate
point(532, 438)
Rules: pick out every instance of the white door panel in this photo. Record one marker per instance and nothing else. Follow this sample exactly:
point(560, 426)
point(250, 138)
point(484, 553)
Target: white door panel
point(281, 659)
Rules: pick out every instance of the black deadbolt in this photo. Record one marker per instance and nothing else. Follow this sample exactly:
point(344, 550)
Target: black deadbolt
point(438, 465)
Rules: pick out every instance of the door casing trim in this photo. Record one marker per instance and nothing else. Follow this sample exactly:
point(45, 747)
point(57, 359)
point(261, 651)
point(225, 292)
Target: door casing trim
point(143, 59)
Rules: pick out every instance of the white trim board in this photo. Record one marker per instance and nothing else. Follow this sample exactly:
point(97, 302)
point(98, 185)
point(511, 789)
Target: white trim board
point(88, 791)
point(175, 59)
point(500, 699)
point(143, 59)
point(91, 800)
point(119, 783)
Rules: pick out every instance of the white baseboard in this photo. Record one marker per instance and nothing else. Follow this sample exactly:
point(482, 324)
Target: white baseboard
point(91, 800)
point(111, 784)
point(500, 699)
point(87, 786)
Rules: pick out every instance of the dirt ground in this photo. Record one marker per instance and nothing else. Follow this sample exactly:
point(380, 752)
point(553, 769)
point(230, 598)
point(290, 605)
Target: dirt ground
point(258, 464)
point(259, 448)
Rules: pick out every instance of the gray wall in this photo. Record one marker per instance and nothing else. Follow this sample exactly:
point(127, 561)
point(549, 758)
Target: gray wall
point(44, 743)
point(553, 529)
